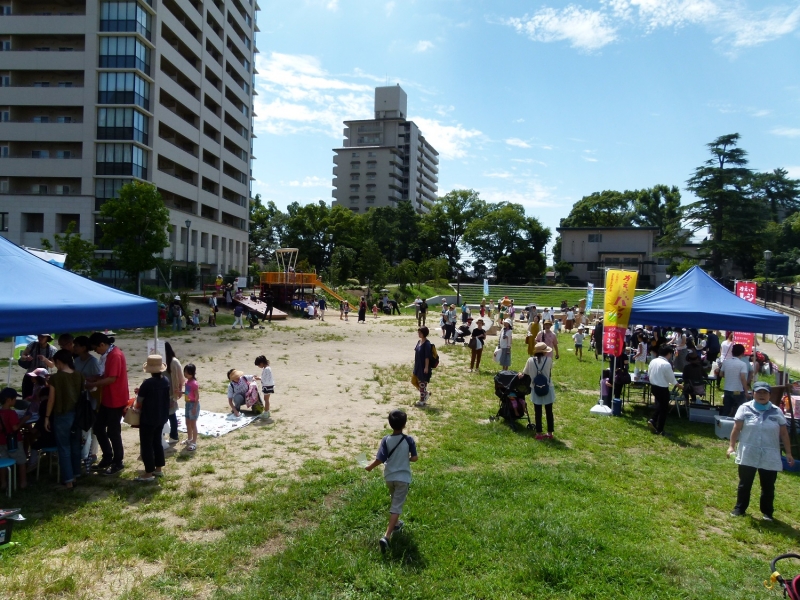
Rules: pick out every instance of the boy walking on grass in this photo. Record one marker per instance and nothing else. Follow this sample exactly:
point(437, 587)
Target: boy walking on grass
point(396, 452)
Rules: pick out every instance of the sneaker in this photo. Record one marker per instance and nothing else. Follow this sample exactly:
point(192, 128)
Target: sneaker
point(652, 426)
point(541, 436)
point(114, 469)
point(420, 404)
point(399, 526)
point(737, 513)
point(384, 544)
point(101, 466)
point(173, 441)
point(767, 518)
point(549, 436)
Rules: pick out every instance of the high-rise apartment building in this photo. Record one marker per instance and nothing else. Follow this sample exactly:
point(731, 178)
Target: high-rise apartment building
point(385, 160)
point(96, 93)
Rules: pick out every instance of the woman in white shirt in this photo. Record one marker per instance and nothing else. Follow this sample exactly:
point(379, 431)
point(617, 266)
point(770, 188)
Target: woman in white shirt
point(541, 363)
point(504, 344)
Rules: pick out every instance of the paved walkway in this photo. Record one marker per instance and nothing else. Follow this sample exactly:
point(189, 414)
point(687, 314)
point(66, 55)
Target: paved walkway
point(776, 356)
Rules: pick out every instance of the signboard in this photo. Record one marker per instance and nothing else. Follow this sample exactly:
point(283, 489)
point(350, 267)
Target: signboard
point(156, 348)
point(589, 297)
point(620, 287)
point(485, 287)
point(240, 283)
point(746, 290)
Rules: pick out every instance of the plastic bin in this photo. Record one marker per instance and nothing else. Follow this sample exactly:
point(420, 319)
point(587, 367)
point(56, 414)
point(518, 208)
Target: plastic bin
point(703, 413)
point(723, 426)
point(6, 523)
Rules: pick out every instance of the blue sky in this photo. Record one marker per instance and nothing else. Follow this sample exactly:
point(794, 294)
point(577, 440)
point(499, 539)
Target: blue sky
point(538, 103)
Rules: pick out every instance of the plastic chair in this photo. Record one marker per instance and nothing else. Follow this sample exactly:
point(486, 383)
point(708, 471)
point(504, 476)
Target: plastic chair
point(11, 466)
point(52, 452)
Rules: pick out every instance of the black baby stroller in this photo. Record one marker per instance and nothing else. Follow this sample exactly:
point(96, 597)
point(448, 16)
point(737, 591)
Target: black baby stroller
point(512, 389)
point(462, 333)
point(791, 588)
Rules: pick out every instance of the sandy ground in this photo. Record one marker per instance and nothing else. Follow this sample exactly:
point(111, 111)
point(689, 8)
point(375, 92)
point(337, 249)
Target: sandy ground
point(328, 401)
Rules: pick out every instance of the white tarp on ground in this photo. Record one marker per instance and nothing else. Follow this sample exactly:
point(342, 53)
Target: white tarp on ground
point(215, 424)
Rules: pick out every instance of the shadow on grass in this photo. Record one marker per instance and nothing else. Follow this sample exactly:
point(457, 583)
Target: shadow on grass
point(776, 526)
point(404, 551)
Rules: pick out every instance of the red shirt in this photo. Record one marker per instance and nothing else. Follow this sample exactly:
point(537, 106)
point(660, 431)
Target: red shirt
point(116, 395)
point(10, 420)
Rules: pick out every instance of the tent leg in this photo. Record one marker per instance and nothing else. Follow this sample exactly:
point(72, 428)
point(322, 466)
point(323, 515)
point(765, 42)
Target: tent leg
point(156, 335)
point(785, 372)
point(11, 361)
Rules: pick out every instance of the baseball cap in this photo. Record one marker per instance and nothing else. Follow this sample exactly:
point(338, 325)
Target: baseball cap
point(761, 385)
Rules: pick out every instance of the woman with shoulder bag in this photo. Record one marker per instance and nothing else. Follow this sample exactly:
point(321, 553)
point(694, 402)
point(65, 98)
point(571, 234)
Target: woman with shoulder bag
point(539, 368)
point(65, 389)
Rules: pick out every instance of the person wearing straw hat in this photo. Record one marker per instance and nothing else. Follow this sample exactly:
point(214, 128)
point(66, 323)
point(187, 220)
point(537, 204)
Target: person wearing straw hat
point(540, 364)
point(238, 389)
point(152, 402)
point(504, 344)
point(476, 343)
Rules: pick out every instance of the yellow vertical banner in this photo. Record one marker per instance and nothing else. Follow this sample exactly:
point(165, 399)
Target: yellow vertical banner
point(620, 288)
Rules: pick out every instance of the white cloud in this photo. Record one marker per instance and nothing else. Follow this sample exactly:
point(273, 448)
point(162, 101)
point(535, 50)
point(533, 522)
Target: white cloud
point(451, 141)
point(332, 4)
point(498, 175)
point(517, 143)
point(389, 7)
point(786, 131)
point(793, 172)
point(532, 195)
point(732, 24)
point(297, 95)
point(312, 181)
point(423, 46)
point(583, 29)
point(528, 161)
point(589, 159)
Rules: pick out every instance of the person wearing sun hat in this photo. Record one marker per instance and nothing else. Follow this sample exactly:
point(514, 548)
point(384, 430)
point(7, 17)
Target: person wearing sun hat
point(476, 344)
point(152, 401)
point(760, 429)
point(238, 389)
point(504, 343)
point(541, 364)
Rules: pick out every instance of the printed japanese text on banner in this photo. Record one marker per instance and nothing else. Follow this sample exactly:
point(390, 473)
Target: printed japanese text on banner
point(620, 287)
point(747, 291)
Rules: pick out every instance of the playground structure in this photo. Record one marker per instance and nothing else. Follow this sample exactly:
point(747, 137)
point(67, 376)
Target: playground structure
point(287, 286)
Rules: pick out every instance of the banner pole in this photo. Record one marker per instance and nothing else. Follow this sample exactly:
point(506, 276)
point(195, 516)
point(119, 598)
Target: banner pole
point(14, 347)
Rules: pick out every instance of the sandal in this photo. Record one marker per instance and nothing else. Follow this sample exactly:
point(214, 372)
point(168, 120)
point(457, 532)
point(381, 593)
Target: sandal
point(191, 447)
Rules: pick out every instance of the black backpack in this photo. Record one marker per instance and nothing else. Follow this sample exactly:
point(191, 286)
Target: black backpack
point(434, 362)
point(541, 385)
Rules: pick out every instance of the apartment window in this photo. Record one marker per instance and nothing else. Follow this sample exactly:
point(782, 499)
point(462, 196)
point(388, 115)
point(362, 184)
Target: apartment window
point(40, 154)
point(65, 49)
point(355, 155)
point(592, 266)
point(3, 186)
point(371, 175)
point(33, 222)
point(356, 164)
point(105, 189)
point(354, 188)
point(63, 154)
point(595, 237)
point(62, 84)
point(370, 199)
point(63, 119)
point(5, 81)
point(371, 164)
point(371, 154)
point(41, 49)
point(5, 45)
point(62, 190)
point(39, 188)
point(3, 221)
point(5, 10)
point(354, 176)
point(354, 208)
point(41, 84)
point(123, 88)
point(63, 221)
point(371, 187)
point(354, 199)
point(125, 17)
point(122, 124)
point(369, 139)
point(41, 119)
point(3, 151)
point(121, 159)
point(124, 53)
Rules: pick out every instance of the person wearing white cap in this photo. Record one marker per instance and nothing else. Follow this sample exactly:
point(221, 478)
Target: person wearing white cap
point(504, 344)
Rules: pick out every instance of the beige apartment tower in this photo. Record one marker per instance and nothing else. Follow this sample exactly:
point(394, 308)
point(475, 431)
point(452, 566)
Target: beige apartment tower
point(96, 93)
point(385, 160)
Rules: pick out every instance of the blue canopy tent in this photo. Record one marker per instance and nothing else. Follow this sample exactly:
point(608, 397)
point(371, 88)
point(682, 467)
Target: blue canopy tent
point(696, 300)
point(37, 296)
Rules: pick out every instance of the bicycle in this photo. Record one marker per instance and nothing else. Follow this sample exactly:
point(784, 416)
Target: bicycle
point(783, 343)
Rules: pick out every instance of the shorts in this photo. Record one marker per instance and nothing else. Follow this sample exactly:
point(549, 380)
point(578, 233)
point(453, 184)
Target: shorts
point(578, 346)
point(398, 491)
point(18, 455)
point(267, 389)
point(192, 411)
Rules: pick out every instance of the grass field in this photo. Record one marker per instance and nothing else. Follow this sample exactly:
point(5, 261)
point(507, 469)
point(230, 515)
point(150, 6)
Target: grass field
point(605, 511)
point(542, 296)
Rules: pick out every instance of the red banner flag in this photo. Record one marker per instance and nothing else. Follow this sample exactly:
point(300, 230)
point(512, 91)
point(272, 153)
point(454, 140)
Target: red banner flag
point(747, 291)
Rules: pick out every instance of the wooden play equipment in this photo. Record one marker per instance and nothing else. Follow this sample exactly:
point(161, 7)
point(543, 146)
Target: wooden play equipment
point(287, 286)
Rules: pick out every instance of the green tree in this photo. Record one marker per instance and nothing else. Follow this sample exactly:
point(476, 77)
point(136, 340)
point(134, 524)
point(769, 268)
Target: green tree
point(267, 228)
point(343, 264)
point(563, 268)
point(779, 193)
point(135, 226)
point(508, 240)
point(80, 253)
point(446, 223)
point(725, 205)
point(658, 206)
point(608, 208)
point(371, 265)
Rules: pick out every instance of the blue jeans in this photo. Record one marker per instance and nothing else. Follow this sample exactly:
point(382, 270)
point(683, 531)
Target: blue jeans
point(177, 324)
point(68, 443)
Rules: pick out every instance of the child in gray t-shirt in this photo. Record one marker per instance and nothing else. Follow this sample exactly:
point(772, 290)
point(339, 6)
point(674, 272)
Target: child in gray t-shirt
point(396, 452)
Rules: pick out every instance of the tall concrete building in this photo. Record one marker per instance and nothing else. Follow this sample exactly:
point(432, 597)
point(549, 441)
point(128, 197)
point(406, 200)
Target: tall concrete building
point(385, 160)
point(96, 93)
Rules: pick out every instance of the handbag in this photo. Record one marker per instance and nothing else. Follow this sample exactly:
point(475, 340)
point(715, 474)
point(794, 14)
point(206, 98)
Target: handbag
point(25, 363)
point(473, 343)
point(132, 417)
point(496, 355)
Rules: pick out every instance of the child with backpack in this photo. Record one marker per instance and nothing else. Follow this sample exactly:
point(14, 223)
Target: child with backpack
point(538, 368)
point(396, 452)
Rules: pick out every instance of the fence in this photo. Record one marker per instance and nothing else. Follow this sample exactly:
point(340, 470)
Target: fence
point(778, 293)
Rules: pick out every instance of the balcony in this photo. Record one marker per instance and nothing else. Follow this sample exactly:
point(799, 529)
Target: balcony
point(17, 166)
point(25, 131)
point(44, 24)
point(42, 61)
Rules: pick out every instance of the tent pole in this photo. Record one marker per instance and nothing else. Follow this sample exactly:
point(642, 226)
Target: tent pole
point(13, 347)
point(785, 372)
point(156, 335)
